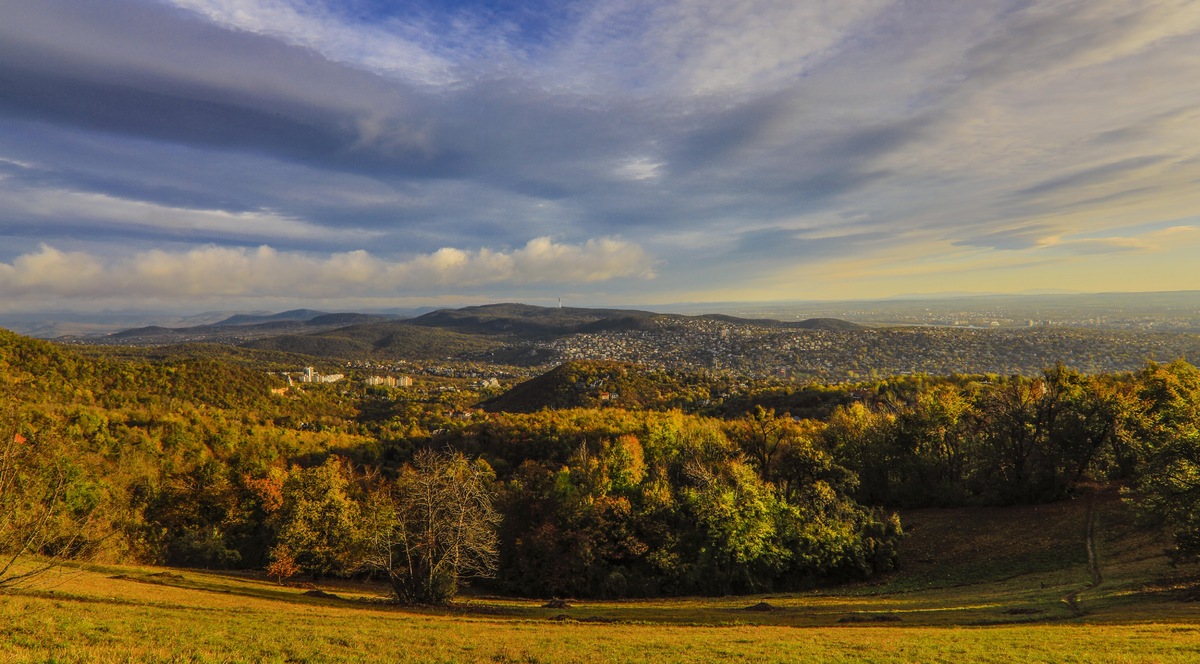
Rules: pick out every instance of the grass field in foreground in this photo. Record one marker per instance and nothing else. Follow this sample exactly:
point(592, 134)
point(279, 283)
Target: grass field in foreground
point(998, 584)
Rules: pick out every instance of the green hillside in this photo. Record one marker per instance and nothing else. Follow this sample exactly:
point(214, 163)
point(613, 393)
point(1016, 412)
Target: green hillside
point(380, 341)
point(592, 384)
point(525, 320)
point(608, 484)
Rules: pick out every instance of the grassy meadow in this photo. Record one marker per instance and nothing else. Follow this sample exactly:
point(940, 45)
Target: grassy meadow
point(986, 584)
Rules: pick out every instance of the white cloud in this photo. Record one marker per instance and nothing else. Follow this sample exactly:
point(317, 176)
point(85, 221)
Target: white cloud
point(640, 168)
point(19, 164)
point(388, 48)
point(682, 47)
point(707, 46)
point(711, 132)
point(213, 272)
point(50, 206)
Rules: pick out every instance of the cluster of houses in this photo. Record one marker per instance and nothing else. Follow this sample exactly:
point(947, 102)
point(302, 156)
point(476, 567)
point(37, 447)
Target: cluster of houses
point(310, 375)
point(389, 381)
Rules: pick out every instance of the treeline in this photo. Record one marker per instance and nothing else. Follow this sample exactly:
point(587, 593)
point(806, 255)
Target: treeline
point(196, 463)
point(147, 460)
point(616, 503)
point(995, 441)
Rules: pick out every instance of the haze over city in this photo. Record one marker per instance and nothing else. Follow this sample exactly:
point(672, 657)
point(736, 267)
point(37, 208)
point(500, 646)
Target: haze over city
point(261, 154)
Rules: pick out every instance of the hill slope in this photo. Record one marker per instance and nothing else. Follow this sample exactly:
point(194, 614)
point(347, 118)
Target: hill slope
point(380, 340)
point(540, 322)
point(116, 613)
point(525, 320)
point(240, 328)
point(590, 384)
point(298, 315)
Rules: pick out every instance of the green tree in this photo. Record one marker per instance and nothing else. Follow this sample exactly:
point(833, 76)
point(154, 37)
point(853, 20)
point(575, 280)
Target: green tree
point(1167, 488)
point(192, 514)
point(762, 435)
point(1168, 491)
point(737, 547)
point(859, 438)
point(319, 521)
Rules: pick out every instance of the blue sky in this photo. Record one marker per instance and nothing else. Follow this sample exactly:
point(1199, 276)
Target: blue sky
point(259, 154)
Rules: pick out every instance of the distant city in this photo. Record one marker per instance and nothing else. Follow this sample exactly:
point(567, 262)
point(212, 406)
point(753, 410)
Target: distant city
point(1173, 311)
point(800, 342)
point(1168, 311)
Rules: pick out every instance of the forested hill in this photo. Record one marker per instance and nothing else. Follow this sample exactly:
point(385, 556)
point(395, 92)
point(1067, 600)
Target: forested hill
point(381, 340)
point(509, 333)
point(819, 350)
point(240, 328)
point(592, 384)
point(606, 490)
point(523, 320)
point(828, 324)
point(526, 320)
point(39, 371)
point(300, 315)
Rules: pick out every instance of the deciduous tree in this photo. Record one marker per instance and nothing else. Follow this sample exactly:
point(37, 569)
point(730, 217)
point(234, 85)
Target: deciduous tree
point(434, 527)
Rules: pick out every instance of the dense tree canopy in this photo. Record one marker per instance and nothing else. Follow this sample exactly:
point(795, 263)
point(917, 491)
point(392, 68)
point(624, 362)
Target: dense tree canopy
point(196, 461)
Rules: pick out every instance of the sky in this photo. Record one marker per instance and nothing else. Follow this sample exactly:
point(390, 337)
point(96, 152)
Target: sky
point(265, 154)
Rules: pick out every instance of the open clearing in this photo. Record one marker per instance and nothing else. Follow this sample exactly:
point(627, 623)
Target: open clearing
point(984, 584)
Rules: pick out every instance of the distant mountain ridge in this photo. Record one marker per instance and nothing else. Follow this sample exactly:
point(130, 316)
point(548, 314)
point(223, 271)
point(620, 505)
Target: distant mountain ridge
point(506, 333)
point(300, 315)
point(394, 339)
point(527, 319)
point(830, 324)
point(556, 321)
point(243, 327)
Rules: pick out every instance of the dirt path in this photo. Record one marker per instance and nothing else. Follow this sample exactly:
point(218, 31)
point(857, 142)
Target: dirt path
point(1072, 598)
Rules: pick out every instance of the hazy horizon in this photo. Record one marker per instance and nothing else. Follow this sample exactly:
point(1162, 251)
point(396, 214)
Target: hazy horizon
point(1177, 311)
point(351, 305)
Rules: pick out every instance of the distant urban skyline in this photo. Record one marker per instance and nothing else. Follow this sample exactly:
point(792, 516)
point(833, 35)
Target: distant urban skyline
point(240, 155)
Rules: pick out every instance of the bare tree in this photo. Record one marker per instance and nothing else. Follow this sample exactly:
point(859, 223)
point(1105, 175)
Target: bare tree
point(35, 517)
point(435, 527)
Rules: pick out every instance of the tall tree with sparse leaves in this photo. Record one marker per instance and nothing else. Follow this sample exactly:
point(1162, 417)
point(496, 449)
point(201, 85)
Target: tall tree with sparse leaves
point(434, 527)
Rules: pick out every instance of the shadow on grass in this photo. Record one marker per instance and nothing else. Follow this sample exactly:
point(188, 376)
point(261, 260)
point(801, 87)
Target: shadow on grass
point(967, 567)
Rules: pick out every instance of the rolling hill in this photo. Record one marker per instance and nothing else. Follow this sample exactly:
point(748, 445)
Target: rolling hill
point(588, 384)
point(530, 321)
point(242, 327)
point(380, 340)
point(509, 334)
point(526, 320)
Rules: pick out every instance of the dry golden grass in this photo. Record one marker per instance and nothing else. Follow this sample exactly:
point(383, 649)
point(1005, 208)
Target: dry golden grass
point(993, 593)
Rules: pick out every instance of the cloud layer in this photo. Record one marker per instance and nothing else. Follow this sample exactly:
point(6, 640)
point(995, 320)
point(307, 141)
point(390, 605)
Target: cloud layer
point(212, 272)
point(757, 149)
